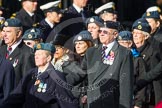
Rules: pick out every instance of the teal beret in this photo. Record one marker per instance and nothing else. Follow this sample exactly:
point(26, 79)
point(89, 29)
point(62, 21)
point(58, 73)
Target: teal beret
point(44, 46)
point(12, 22)
point(94, 19)
point(142, 24)
point(32, 34)
point(83, 36)
point(125, 35)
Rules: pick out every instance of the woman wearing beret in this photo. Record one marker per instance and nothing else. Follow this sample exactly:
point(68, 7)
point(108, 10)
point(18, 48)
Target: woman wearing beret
point(93, 26)
point(82, 42)
point(41, 87)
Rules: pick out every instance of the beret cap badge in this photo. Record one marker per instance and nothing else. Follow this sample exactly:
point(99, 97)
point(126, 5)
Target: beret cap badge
point(148, 14)
point(6, 23)
point(79, 37)
point(119, 37)
point(139, 27)
point(38, 46)
point(92, 20)
point(30, 36)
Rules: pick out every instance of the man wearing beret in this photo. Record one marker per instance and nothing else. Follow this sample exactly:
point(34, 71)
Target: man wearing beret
point(154, 20)
point(43, 86)
point(28, 15)
point(109, 69)
point(150, 51)
point(53, 16)
point(15, 50)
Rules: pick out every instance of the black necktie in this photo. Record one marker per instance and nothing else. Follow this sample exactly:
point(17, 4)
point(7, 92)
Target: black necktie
point(103, 52)
point(83, 15)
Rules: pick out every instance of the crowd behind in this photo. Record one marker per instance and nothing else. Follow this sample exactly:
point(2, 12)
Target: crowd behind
point(75, 58)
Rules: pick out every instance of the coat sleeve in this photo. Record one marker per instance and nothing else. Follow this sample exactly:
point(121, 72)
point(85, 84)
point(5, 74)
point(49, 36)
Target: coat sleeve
point(126, 82)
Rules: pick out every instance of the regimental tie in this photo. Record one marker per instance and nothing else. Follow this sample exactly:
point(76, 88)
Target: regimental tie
point(9, 49)
point(103, 54)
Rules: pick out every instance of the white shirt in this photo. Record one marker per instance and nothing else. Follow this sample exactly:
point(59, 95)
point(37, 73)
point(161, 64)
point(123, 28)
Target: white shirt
point(30, 14)
point(48, 22)
point(14, 46)
point(77, 8)
point(109, 47)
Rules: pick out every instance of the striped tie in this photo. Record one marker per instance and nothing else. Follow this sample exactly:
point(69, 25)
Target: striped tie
point(103, 52)
point(9, 49)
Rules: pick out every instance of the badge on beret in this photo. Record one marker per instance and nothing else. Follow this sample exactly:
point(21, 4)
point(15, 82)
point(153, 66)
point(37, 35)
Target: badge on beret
point(32, 30)
point(92, 20)
point(79, 37)
point(6, 23)
point(148, 14)
point(119, 37)
point(105, 24)
point(30, 36)
point(139, 27)
point(38, 46)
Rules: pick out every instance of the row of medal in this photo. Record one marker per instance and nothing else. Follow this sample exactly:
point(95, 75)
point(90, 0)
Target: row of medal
point(41, 87)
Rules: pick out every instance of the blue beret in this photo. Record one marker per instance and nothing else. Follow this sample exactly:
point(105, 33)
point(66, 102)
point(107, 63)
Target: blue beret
point(94, 19)
point(142, 24)
point(125, 35)
point(111, 25)
point(12, 22)
point(44, 46)
point(32, 34)
point(153, 14)
point(83, 36)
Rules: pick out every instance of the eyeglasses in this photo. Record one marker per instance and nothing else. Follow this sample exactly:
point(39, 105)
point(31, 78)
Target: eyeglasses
point(105, 32)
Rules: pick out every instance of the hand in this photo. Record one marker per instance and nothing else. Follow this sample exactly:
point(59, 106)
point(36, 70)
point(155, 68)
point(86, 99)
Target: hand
point(84, 99)
point(136, 107)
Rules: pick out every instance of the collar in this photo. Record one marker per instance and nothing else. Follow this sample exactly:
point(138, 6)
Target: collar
point(77, 8)
point(15, 45)
point(109, 47)
point(30, 14)
point(48, 22)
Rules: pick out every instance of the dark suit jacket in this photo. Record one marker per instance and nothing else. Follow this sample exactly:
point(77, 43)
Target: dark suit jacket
point(55, 96)
point(22, 59)
point(7, 79)
point(26, 20)
point(46, 29)
point(109, 85)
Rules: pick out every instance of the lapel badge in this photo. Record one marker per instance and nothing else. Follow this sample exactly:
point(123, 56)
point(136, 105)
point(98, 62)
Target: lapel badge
point(15, 62)
point(10, 58)
point(44, 88)
point(37, 82)
point(39, 90)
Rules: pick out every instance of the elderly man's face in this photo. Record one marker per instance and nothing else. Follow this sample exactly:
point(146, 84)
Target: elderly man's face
point(107, 35)
point(30, 6)
point(139, 38)
point(41, 58)
point(10, 35)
